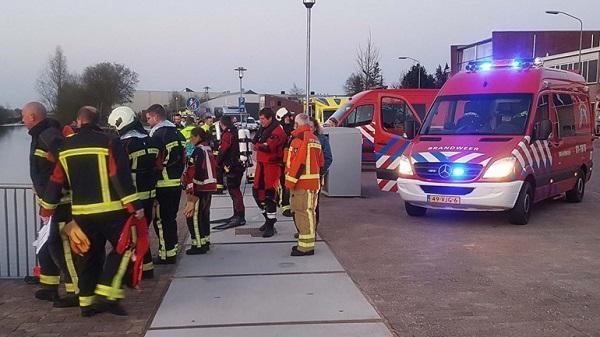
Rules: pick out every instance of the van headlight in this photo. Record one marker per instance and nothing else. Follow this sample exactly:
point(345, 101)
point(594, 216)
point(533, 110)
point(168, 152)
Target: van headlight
point(501, 168)
point(405, 167)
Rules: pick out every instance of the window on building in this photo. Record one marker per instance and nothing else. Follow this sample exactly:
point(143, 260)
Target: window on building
point(592, 75)
point(564, 67)
point(584, 69)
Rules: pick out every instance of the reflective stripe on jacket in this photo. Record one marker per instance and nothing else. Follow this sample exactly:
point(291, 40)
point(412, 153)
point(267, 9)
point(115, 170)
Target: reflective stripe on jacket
point(304, 160)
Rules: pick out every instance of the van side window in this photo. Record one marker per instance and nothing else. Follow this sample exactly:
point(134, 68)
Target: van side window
point(583, 115)
point(393, 114)
point(542, 109)
point(362, 115)
point(565, 114)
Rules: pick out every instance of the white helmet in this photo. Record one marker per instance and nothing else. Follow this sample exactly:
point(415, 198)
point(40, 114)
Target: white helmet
point(121, 117)
point(282, 112)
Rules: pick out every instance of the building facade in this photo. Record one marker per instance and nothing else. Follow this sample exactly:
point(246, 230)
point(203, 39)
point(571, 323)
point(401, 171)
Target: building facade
point(521, 44)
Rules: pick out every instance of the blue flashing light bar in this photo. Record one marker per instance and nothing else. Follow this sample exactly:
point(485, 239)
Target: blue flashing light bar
point(516, 64)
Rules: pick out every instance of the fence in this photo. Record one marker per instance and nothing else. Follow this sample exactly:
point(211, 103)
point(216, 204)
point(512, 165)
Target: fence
point(19, 226)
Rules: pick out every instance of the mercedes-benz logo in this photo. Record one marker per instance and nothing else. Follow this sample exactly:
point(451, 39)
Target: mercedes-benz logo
point(444, 171)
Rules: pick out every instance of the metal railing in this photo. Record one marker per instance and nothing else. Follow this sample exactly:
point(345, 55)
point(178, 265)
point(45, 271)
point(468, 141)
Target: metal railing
point(19, 225)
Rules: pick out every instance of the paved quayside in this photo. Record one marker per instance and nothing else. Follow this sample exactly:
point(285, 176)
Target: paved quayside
point(249, 286)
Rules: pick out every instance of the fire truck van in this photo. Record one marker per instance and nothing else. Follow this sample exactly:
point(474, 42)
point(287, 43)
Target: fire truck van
point(500, 136)
point(383, 110)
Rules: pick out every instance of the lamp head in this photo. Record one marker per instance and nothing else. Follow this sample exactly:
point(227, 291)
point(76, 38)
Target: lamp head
point(309, 3)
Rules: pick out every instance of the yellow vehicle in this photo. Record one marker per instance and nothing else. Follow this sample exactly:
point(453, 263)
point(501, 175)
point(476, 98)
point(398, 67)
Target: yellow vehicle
point(324, 107)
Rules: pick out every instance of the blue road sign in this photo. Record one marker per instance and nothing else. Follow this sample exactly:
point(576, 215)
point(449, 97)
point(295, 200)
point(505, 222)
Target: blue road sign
point(193, 104)
point(242, 104)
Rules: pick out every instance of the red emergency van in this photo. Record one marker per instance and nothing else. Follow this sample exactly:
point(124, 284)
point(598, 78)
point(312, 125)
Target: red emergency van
point(501, 135)
point(382, 109)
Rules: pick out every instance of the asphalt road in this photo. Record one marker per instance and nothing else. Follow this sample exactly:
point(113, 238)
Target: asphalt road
point(472, 274)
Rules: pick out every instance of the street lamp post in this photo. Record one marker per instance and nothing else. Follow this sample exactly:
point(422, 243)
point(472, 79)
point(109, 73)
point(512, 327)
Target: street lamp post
point(309, 5)
point(580, 32)
point(418, 67)
point(240, 71)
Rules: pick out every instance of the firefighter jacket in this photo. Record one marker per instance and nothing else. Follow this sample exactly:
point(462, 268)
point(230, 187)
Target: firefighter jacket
point(97, 169)
point(187, 132)
point(201, 171)
point(46, 139)
point(269, 143)
point(172, 145)
point(229, 149)
point(145, 162)
point(304, 160)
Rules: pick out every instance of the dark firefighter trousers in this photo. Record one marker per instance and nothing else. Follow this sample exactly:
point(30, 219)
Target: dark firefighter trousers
point(101, 274)
point(165, 220)
point(55, 257)
point(233, 181)
point(199, 223)
point(148, 214)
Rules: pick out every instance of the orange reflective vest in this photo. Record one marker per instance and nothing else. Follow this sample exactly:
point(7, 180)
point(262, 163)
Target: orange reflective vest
point(304, 160)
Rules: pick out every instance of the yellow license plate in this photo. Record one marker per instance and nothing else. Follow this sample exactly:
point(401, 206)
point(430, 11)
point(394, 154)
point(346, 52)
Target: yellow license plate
point(443, 199)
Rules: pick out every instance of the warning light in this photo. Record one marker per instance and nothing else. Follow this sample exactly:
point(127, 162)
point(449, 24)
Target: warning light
point(458, 171)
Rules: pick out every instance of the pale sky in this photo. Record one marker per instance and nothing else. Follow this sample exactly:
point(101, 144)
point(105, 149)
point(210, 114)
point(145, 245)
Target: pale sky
point(187, 43)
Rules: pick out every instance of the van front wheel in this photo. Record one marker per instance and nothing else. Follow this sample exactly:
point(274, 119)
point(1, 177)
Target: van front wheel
point(519, 215)
point(413, 210)
point(576, 194)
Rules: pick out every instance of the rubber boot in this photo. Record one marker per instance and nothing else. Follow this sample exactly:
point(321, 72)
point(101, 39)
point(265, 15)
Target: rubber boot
point(112, 307)
point(47, 294)
point(269, 228)
point(68, 301)
point(264, 226)
point(235, 222)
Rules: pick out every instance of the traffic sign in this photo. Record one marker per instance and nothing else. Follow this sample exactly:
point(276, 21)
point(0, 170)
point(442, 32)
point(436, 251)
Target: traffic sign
point(242, 104)
point(193, 104)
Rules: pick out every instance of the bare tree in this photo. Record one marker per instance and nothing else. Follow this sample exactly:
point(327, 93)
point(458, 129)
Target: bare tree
point(369, 74)
point(53, 78)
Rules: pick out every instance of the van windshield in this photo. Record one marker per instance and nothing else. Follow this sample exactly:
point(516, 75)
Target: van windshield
point(484, 114)
point(339, 113)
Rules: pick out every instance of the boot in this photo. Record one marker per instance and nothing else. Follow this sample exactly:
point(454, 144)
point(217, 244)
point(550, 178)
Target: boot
point(197, 250)
point(235, 222)
point(296, 236)
point(47, 294)
point(287, 213)
point(296, 252)
point(147, 274)
point(269, 228)
point(69, 301)
point(168, 260)
point(88, 311)
point(112, 307)
point(264, 226)
point(225, 220)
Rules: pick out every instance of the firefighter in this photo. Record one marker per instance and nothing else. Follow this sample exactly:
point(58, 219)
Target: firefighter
point(187, 134)
point(268, 141)
point(228, 162)
point(55, 256)
point(285, 117)
point(211, 130)
point(145, 162)
point(103, 195)
point(199, 182)
point(303, 164)
point(168, 186)
point(178, 121)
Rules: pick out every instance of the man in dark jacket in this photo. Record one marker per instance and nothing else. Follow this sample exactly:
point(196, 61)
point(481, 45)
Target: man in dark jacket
point(228, 162)
point(54, 257)
point(103, 196)
point(168, 186)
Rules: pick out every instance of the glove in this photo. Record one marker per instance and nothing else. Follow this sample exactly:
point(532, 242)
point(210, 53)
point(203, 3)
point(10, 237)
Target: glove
point(79, 242)
point(190, 205)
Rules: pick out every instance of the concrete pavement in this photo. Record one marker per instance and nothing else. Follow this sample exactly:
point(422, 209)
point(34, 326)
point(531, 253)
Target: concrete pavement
point(250, 286)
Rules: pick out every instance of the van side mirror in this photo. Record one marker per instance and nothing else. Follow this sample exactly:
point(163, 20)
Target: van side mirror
point(543, 130)
point(410, 128)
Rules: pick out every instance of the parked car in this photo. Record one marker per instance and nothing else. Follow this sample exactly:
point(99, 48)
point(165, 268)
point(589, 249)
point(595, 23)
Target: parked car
point(249, 124)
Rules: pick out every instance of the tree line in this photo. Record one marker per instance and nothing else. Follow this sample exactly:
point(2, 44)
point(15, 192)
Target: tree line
point(102, 85)
point(370, 76)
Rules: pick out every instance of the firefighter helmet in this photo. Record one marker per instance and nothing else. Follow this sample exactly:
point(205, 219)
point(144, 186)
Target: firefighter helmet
point(121, 117)
point(281, 113)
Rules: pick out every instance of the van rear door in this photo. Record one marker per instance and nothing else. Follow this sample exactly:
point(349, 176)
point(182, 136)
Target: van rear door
point(390, 143)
